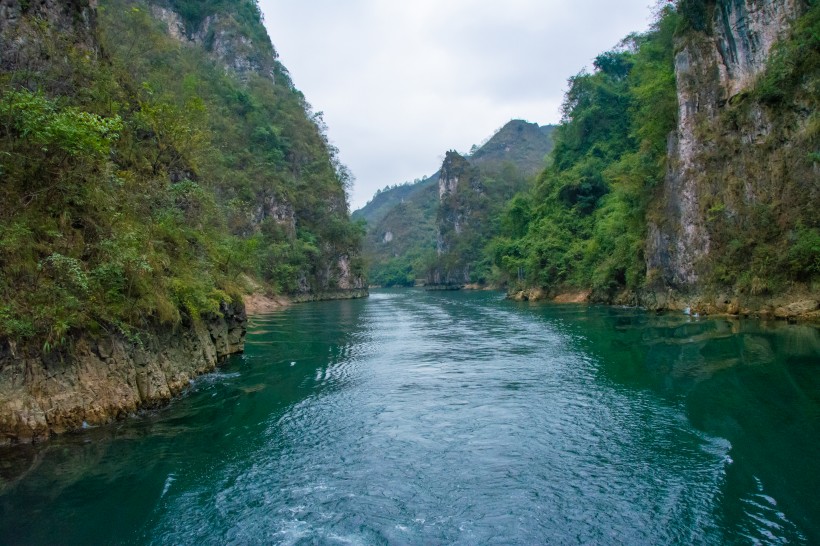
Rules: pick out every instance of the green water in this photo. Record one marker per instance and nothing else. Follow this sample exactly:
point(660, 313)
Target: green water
point(450, 417)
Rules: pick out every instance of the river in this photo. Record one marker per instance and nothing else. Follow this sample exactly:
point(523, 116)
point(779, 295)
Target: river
point(418, 417)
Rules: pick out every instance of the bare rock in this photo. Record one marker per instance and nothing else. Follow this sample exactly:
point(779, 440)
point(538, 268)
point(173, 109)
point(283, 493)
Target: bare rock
point(95, 381)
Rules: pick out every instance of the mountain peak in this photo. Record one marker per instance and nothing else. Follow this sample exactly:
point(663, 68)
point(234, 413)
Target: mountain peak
point(518, 141)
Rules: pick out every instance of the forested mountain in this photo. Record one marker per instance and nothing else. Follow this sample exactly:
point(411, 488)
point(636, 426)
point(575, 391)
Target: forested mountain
point(685, 172)
point(152, 153)
point(156, 163)
point(404, 241)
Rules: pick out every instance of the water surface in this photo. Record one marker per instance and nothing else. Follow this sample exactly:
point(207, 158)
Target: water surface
point(454, 417)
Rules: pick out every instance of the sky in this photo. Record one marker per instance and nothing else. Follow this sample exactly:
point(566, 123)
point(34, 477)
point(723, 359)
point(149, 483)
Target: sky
point(400, 83)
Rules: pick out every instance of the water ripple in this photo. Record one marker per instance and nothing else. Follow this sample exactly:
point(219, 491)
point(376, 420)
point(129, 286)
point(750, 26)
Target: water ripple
point(462, 422)
point(452, 418)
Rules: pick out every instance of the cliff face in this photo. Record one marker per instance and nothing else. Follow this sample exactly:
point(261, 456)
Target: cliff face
point(744, 33)
point(153, 155)
point(69, 28)
point(223, 38)
point(95, 380)
point(460, 191)
point(734, 160)
point(77, 18)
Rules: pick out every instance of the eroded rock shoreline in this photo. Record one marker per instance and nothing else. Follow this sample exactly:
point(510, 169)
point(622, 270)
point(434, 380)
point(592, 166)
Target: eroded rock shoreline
point(796, 307)
point(97, 380)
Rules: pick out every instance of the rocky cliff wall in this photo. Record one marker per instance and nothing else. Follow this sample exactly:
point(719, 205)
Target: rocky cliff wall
point(94, 380)
point(732, 158)
point(77, 17)
point(458, 182)
point(51, 32)
point(745, 32)
point(224, 39)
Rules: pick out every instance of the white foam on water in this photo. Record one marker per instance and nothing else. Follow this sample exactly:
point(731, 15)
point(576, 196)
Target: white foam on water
point(168, 481)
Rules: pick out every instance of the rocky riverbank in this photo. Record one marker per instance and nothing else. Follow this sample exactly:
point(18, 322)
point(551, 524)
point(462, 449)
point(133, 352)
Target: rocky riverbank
point(792, 307)
point(340, 294)
point(96, 379)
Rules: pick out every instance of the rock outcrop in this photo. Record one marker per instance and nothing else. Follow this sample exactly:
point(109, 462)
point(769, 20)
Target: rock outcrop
point(745, 31)
point(730, 157)
point(77, 17)
point(459, 184)
point(94, 380)
point(224, 39)
point(46, 30)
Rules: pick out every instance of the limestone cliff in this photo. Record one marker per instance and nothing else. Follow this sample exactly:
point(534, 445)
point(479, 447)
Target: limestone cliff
point(225, 38)
point(736, 160)
point(69, 27)
point(460, 190)
point(95, 379)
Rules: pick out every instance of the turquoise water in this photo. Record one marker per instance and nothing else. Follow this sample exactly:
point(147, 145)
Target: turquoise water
point(457, 418)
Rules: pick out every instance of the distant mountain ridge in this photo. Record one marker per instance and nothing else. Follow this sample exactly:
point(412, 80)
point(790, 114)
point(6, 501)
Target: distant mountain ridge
point(524, 144)
point(520, 142)
point(401, 238)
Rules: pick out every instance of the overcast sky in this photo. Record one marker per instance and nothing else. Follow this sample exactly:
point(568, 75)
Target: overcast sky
point(400, 83)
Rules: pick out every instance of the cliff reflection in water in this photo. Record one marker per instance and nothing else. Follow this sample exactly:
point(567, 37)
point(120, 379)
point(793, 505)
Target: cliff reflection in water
point(754, 383)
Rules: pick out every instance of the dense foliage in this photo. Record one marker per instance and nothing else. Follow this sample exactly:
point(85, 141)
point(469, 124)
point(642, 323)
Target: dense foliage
point(146, 184)
point(401, 241)
point(583, 224)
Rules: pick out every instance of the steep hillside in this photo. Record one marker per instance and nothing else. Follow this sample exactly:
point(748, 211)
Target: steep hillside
point(402, 242)
point(385, 200)
point(264, 153)
point(156, 160)
point(685, 173)
point(401, 238)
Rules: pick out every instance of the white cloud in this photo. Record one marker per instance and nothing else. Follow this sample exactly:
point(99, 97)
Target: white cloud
point(400, 83)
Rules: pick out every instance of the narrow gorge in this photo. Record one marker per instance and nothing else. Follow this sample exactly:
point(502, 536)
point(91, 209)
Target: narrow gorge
point(599, 324)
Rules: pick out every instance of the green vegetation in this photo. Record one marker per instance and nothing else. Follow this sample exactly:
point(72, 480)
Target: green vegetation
point(141, 186)
point(404, 221)
point(401, 232)
point(583, 223)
